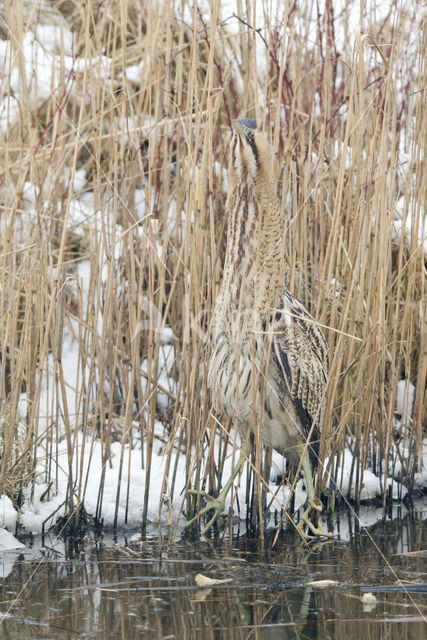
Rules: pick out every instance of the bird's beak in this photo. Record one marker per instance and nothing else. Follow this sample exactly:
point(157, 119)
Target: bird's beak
point(240, 129)
point(244, 127)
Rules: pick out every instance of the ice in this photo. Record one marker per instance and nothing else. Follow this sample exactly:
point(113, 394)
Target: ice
point(8, 544)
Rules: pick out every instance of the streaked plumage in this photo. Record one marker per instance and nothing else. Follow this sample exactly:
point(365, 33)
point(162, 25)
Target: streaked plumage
point(269, 362)
point(295, 379)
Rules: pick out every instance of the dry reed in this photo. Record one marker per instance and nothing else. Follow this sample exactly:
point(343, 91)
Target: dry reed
point(348, 125)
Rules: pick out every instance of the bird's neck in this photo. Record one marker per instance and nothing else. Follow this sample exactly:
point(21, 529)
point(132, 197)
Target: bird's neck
point(255, 264)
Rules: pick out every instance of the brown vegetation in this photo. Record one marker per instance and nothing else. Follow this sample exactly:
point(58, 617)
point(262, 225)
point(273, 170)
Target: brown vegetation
point(348, 124)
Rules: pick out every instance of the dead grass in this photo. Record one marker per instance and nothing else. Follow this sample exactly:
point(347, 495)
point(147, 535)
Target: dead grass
point(348, 125)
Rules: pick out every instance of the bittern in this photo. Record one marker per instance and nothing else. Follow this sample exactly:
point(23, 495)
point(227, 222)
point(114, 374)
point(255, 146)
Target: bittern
point(269, 359)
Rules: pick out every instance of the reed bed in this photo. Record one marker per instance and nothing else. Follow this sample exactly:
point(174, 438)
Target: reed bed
point(113, 183)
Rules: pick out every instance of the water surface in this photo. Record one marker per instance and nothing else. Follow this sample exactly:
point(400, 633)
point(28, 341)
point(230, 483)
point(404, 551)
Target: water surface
point(95, 589)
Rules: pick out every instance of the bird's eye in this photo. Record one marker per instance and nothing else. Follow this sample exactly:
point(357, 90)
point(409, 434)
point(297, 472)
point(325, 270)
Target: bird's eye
point(234, 144)
point(251, 141)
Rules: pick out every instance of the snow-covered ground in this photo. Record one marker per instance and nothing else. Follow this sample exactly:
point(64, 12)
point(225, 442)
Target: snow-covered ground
point(163, 508)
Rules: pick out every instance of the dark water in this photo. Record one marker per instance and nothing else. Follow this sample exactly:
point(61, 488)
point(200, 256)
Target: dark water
point(94, 590)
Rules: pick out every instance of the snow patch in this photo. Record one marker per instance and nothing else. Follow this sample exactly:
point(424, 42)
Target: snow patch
point(8, 513)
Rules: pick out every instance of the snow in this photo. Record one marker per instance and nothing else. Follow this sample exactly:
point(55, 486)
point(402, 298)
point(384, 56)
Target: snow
point(134, 72)
point(420, 478)
point(48, 64)
point(81, 212)
point(404, 402)
point(30, 193)
point(403, 231)
point(372, 485)
point(8, 513)
point(167, 336)
point(343, 153)
point(42, 510)
point(335, 287)
point(140, 204)
point(54, 38)
point(78, 181)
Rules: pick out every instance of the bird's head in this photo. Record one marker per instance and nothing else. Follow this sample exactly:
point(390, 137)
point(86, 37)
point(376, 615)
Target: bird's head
point(251, 153)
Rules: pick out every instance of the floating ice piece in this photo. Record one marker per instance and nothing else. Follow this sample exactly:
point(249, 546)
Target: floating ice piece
point(8, 541)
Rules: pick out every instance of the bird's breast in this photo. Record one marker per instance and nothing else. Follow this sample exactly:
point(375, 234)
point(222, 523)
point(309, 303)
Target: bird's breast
point(237, 363)
point(231, 365)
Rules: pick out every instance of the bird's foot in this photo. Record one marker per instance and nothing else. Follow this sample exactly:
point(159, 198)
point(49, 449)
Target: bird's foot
point(212, 504)
point(314, 504)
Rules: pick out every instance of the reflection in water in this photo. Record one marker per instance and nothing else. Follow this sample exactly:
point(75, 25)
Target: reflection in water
point(98, 591)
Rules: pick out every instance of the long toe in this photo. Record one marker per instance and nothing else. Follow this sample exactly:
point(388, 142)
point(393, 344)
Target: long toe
point(217, 505)
point(315, 531)
point(315, 504)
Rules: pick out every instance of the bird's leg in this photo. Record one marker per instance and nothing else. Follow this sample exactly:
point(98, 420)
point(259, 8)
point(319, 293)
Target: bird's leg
point(218, 504)
point(313, 503)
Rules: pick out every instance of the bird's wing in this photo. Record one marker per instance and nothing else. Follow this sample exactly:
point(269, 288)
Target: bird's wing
point(302, 354)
